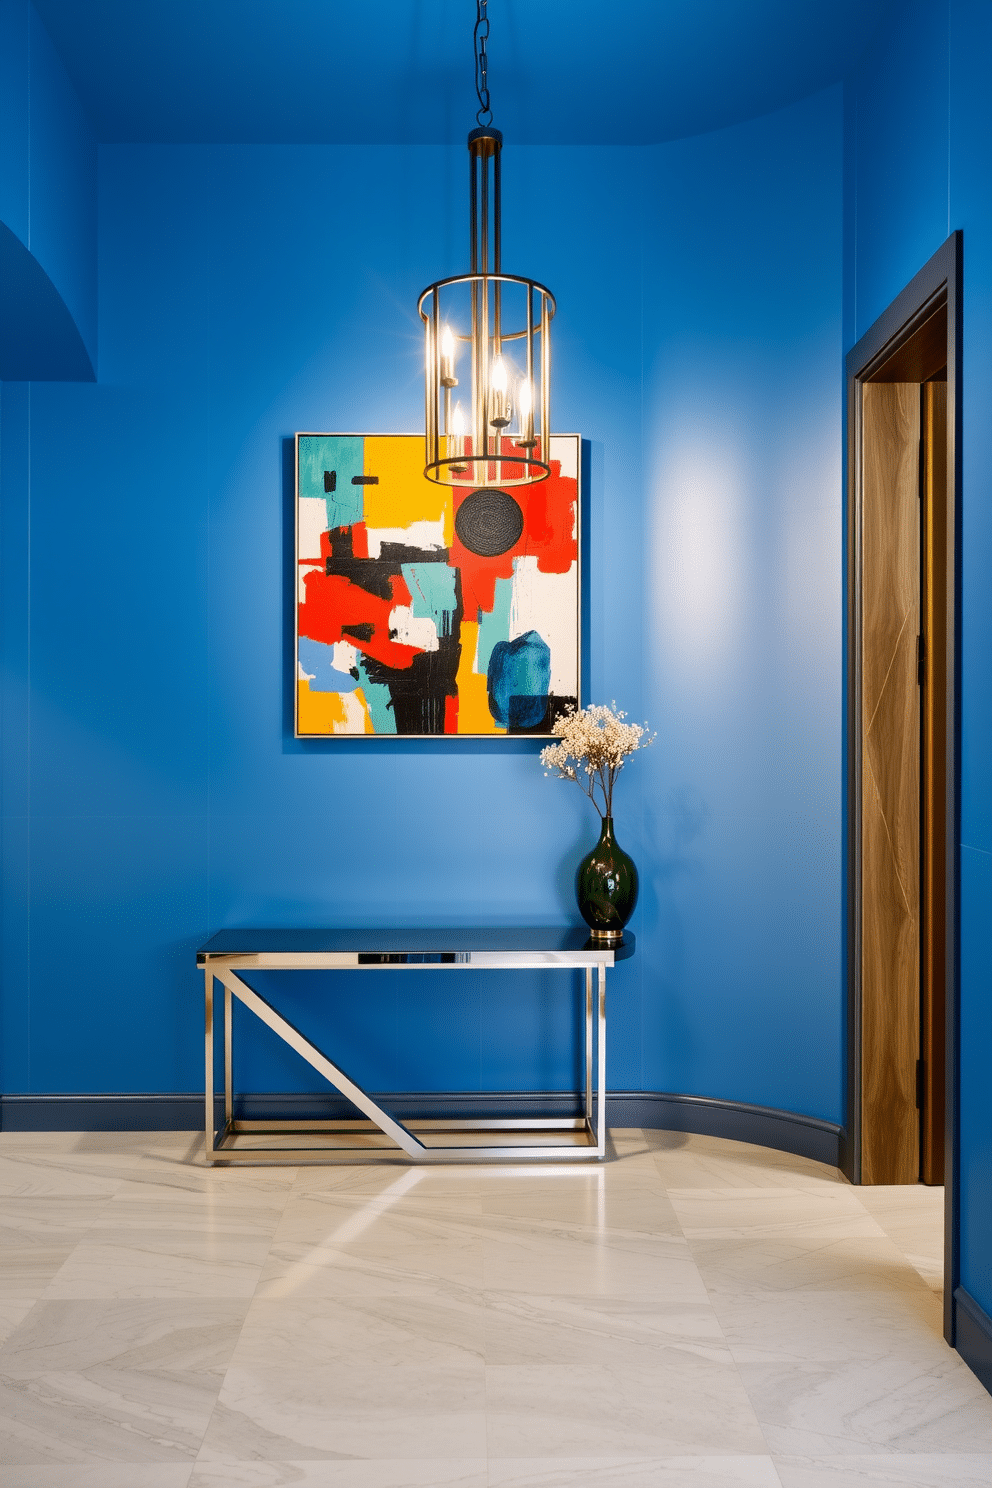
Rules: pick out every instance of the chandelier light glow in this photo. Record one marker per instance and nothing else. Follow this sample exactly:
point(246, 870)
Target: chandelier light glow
point(488, 338)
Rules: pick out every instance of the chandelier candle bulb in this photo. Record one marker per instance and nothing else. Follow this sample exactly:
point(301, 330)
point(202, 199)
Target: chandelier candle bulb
point(500, 403)
point(525, 414)
point(448, 378)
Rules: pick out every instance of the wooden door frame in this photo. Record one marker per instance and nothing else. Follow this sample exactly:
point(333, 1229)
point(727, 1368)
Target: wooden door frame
point(938, 284)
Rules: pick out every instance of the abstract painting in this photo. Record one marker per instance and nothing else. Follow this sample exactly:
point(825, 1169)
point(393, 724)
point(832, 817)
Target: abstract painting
point(429, 610)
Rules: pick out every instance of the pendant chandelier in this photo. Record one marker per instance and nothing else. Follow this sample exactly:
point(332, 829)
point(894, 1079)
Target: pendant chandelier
point(488, 338)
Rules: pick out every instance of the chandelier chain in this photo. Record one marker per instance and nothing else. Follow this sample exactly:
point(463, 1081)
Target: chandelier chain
point(480, 36)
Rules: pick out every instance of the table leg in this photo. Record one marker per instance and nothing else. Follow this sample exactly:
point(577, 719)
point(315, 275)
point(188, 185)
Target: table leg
point(228, 1058)
point(209, 1134)
point(601, 1056)
point(588, 1049)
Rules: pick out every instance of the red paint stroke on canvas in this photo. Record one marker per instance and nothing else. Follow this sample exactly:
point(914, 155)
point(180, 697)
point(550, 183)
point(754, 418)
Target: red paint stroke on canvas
point(450, 714)
point(334, 602)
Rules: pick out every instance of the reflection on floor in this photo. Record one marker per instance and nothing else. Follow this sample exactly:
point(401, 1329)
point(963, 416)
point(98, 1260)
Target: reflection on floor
point(692, 1312)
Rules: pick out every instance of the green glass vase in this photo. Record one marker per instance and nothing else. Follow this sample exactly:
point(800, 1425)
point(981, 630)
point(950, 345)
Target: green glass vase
point(606, 887)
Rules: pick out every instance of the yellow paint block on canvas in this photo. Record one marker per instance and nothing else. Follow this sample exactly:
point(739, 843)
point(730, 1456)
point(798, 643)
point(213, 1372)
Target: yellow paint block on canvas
point(402, 495)
point(474, 716)
point(332, 712)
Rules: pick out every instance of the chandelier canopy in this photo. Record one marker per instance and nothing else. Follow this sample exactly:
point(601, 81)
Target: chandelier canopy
point(488, 338)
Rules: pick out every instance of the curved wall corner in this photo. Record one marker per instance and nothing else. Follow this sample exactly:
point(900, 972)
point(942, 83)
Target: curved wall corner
point(39, 340)
point(48, 207)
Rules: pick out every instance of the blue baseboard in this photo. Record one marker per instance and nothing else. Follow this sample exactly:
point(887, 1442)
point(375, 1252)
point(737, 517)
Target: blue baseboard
point(973, 1336)
point(763, 1126)
point(804, 1136)
point(91, 1113)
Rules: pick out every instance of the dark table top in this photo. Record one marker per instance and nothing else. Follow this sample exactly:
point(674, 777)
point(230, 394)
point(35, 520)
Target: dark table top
point(432, 945)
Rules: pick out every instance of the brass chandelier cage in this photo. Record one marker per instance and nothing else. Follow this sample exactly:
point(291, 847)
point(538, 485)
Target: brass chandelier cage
point(488, 339)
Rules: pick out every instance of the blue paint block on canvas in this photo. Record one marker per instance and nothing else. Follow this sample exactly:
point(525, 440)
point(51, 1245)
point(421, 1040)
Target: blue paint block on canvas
point(317, 660)
point(519, 679)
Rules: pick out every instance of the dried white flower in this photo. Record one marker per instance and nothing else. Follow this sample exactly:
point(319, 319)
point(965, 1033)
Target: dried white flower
point(597, 742)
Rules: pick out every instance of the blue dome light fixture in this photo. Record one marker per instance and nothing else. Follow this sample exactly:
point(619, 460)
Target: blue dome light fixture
point(488, 334)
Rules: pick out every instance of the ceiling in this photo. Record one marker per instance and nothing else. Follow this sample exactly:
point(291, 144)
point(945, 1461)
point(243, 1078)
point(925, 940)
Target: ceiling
point(385, 71)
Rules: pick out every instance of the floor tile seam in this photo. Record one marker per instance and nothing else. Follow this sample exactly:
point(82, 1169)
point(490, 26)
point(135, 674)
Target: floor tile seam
point(860, 1277)
point(912, 1247)
point(102, 1375)
point(42, 1201)
point(937, 1265)
point(800, 1207)
point(9, 1191)
point(44, 1297)
point(803, 1238)
point(819, 1229)
point(901, 1245)
point(59, 1381)
point(868, 1461)
point(173, 1196)
point(810, 1188)
point(774, 1465)
point(753, 1292)
point(107, 1168)
point(149, 1291)
point(726, 1343)
point(699, 1275)
point(875, 1218)
point(124, 1233)
point(718, 1322)
point(251, 1301)
point(276, 1196)
point(186, 1203)
point(222, 1378)
point(106, 1255)
point(101, 1372)
point(459, 1237)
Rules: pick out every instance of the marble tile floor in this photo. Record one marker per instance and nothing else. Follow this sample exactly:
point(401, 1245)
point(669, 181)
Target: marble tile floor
point(692, 1312)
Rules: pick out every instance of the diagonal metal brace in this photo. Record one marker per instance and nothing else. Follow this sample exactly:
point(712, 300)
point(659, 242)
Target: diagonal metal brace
point(313, 1056)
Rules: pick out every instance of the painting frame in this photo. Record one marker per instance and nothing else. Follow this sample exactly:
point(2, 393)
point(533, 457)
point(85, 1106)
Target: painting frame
point(538, 574)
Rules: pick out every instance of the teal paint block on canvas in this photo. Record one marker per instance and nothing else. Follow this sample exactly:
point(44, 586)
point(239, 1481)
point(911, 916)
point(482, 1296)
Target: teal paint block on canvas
point(334, 460)
point(494, 625)
point(432, 592)
point(379, 700)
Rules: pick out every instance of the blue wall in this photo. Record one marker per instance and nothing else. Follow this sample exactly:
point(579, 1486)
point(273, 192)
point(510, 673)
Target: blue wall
point(741, 930)
point(48, 167)
point(246, 293)
point(151, 790)
point(919, 160)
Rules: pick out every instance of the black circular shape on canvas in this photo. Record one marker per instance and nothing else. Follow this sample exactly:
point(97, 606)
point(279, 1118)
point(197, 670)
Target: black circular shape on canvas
point(489, 522)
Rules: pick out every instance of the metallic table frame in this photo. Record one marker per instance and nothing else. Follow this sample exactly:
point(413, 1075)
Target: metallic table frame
point(221, 1147)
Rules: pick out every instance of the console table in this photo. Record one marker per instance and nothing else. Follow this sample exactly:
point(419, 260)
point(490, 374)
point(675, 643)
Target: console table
point(231, 953)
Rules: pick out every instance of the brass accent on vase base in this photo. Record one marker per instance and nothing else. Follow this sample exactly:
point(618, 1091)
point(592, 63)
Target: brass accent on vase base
point(606, 937)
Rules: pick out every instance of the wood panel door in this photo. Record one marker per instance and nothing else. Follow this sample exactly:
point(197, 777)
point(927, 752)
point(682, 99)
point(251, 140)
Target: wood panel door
point(890, 825)
point(933, 823)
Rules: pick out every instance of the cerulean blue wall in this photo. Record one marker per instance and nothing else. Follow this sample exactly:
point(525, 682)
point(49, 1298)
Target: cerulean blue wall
point(151, 791)
point(246, 293)
point(48, 169)
point(919, 165)
point(742, 531)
